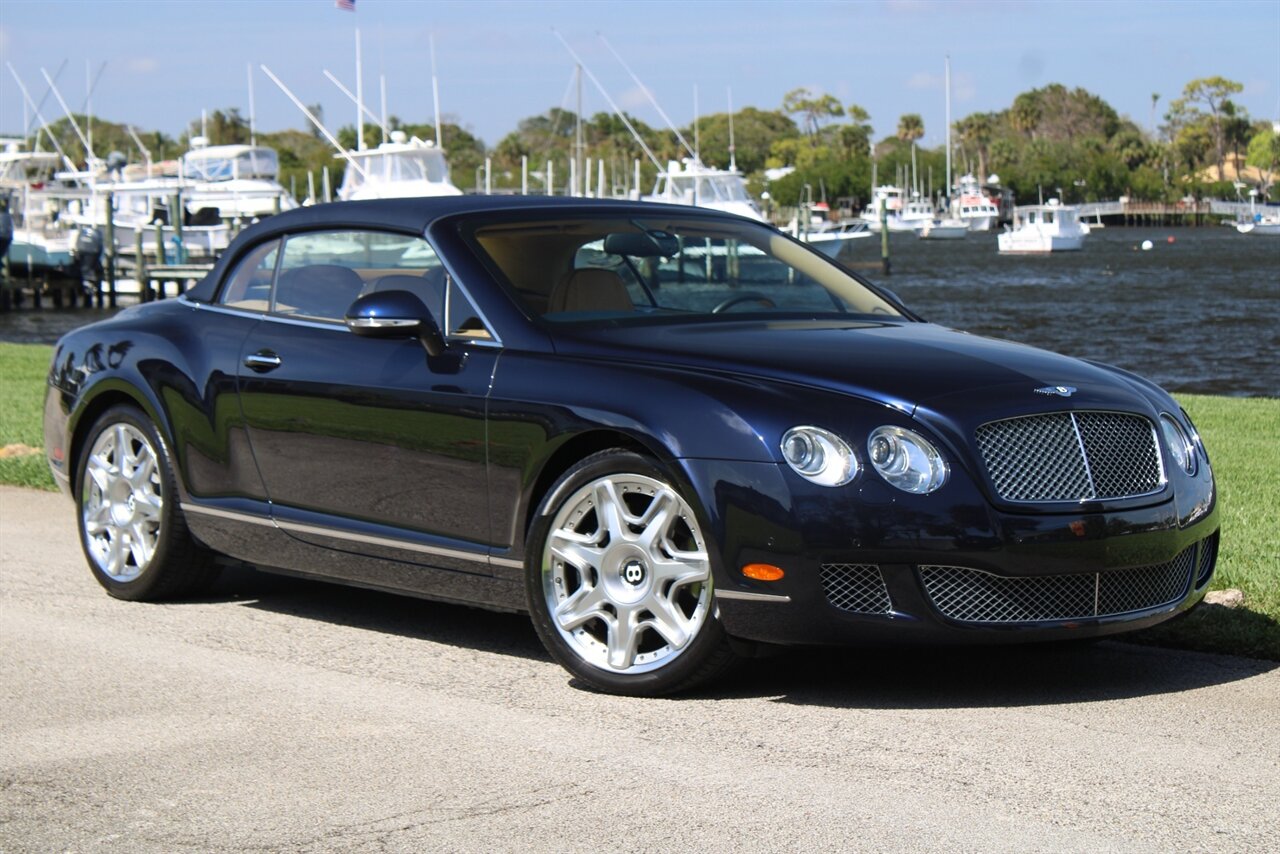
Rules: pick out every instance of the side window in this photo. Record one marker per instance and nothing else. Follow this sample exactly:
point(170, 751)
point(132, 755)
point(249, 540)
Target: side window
point(323, 272)
point(249, 286)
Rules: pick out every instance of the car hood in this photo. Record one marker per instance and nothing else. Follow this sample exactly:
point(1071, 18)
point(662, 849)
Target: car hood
point(905, 365)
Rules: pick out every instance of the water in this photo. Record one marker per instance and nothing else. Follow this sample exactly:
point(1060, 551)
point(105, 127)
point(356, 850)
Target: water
point(1200, 314)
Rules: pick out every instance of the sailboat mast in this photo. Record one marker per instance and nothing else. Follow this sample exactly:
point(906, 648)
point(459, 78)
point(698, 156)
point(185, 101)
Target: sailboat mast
point(577, 138)
point(947, 189)
point(733, 160)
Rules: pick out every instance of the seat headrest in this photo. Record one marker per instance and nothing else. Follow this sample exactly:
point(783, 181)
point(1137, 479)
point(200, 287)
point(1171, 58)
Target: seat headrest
point(591, 289)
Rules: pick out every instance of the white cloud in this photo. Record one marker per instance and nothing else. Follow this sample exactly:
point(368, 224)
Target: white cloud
point(633, 98)
point(143, 65)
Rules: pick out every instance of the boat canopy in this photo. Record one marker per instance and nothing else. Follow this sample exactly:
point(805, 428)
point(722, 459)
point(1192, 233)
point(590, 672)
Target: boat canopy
point(229, 162)
point(393, 163)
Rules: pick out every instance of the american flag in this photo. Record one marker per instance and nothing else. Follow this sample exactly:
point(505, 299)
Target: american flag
point(349, 5)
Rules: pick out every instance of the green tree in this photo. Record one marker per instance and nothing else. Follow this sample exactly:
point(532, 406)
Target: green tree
point(1214, 93)
point(813, 109)
point(1264, 154)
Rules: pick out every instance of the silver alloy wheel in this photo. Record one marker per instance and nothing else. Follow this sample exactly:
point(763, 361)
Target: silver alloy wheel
point(625, 574)
point(122, 502)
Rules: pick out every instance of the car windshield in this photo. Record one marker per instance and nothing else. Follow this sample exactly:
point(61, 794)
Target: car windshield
point(620, 269)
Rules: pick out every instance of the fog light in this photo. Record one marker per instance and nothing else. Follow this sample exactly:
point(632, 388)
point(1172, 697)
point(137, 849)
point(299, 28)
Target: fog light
point(763, 572)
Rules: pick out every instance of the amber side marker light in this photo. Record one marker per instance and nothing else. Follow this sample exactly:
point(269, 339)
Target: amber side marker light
point(763, 572)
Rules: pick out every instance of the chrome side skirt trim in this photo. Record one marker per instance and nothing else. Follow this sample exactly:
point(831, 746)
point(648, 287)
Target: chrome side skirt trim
point(751, 597)
point(507, 562)
point(300, 528)
point(247, 518)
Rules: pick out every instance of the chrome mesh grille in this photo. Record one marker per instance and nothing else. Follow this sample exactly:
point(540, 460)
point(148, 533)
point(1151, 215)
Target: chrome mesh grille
point(973, 596)
point(1071, 456)
point(856, 587)
point(1208, 560)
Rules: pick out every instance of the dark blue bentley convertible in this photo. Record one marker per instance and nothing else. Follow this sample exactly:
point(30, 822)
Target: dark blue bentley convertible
point(672, 436)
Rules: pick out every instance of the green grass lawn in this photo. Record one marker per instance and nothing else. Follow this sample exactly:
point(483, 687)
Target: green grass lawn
point(1241, 435)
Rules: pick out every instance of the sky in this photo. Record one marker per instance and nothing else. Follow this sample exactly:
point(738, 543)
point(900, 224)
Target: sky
point(499, 62)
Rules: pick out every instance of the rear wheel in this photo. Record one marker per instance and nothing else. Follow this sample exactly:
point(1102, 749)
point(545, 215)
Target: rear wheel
point(619, 579)
point(131, 528)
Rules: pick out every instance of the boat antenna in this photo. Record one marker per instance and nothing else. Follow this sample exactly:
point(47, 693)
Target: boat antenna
point(43, 124)
point(649, 95)
point(319, 126)
point(359, 97)
point(253, 132)
point(733, 160)
point(336, 82)
point(71, 118)
point(435, 89)
point(617, 111)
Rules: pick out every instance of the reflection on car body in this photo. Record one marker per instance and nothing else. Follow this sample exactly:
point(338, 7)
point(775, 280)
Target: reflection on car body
point(670, 435)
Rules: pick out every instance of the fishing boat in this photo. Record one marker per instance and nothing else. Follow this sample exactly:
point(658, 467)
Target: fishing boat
point(40, 243)
point(942, 229)
point(973, 206)
point(1260, 224)
point(401, 168)
point(1038, 229)
point(691, 182)
point(241, 181)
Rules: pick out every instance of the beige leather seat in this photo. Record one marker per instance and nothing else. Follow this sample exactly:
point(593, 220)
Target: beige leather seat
point(590, 289)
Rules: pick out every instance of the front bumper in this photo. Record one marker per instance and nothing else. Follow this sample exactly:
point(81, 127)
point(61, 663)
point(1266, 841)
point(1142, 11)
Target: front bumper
point(869, 564)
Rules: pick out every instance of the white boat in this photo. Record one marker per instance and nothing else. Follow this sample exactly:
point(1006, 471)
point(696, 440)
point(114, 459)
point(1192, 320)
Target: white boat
point(401, 168)
point(972, 206)
point(241, 181)
point(1053, 227)
point(691, 182)
point(942, 229)
point(899, 214)
point(40, 241)
point(1260, 224)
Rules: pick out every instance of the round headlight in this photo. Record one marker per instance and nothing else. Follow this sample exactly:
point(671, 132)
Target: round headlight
point(1180, 447)
point(906, 460)
point(819, 455)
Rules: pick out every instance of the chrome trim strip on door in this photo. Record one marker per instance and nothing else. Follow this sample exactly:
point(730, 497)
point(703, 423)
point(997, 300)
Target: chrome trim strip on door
point(300, 528)
point(751, 597)
point(507, 562)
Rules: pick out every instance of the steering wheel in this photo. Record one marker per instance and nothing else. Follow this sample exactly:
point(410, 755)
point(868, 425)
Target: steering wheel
point(749, 296)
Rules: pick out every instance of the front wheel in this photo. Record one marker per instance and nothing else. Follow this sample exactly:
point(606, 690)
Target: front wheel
point(619, 580)
point(131, 528)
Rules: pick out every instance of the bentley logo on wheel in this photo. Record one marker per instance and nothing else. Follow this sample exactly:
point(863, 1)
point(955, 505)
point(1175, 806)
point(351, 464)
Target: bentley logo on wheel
point(633, 573)
point(1060, 390)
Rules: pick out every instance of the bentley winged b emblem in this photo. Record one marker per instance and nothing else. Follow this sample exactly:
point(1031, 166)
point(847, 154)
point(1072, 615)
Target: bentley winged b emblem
point(1060, 390)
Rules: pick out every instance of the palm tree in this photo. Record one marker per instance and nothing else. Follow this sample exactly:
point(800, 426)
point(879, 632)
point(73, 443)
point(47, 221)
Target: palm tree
point(910, 127)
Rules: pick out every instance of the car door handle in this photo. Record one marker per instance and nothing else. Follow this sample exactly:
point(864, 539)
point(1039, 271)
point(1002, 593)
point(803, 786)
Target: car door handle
point(262, 361)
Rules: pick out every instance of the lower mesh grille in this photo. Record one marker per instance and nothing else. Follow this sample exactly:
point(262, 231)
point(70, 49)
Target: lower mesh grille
point(972, 596)
point(1208, 559)
point(855, 587)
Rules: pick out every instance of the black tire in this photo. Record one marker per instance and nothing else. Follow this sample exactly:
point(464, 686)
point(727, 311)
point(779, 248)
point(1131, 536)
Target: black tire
point(137, 544)
point(648, 624)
